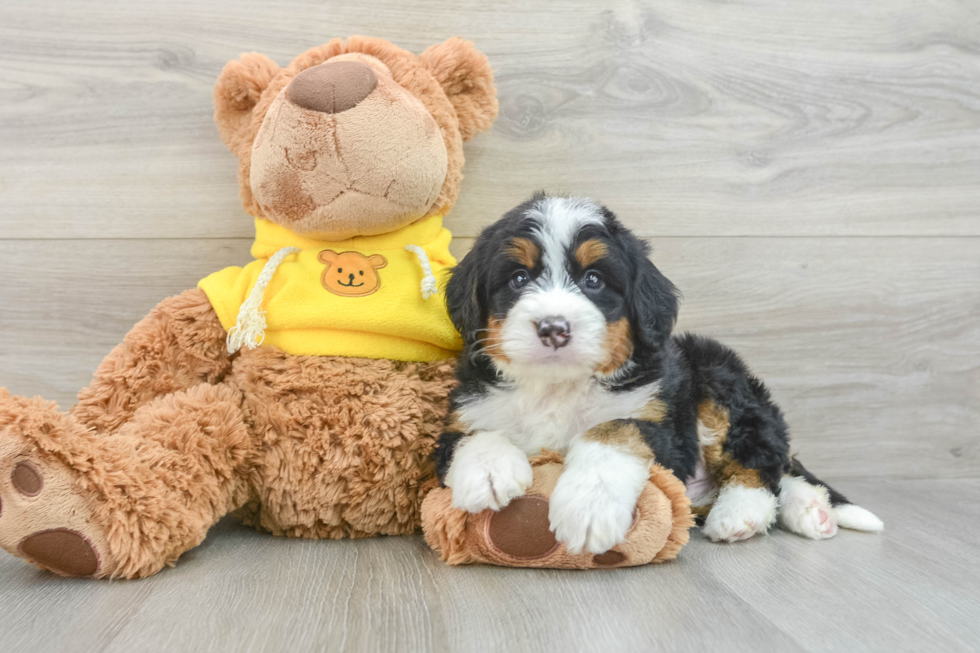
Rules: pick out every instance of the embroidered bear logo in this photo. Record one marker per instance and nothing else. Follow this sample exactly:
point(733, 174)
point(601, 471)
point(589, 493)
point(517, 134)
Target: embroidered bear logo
point(351, 274)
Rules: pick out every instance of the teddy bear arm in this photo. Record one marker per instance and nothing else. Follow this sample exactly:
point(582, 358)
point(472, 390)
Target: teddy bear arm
point(180, 344)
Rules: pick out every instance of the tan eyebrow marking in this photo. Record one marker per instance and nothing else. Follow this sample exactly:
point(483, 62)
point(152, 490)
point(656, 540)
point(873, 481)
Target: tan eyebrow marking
point(590, 251)
point(524, 252)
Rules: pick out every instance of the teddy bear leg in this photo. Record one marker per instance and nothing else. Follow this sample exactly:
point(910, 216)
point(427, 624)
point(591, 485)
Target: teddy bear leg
point(180, 344)
point(82, 504)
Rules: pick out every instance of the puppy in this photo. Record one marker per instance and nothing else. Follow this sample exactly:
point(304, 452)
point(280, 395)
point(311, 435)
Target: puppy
point(567, 346)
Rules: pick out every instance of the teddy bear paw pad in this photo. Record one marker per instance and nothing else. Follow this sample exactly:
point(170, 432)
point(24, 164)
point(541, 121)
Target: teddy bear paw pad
point(521, 529)
point(62, 550)
point(43, 519)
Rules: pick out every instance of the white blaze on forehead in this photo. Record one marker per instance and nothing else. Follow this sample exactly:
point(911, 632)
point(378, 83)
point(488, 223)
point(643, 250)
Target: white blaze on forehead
point(558, 220)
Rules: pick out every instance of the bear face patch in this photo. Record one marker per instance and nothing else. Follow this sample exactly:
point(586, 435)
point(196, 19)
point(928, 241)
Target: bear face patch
point(351, 274)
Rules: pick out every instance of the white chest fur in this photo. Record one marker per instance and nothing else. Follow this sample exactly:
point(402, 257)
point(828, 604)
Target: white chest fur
point(537, 416)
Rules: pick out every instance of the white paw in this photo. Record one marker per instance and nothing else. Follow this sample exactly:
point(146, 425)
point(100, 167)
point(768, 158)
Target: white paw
point(739, 513)
point(592, 506)
point(805, 509)
point(487, 472)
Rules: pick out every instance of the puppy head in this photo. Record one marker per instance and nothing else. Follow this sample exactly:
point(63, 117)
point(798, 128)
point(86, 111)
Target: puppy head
point(560, 289)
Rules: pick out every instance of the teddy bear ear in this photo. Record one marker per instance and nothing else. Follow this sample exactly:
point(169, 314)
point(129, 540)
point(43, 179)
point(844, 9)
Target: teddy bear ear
point(465, 75)
point(377, 261)
point(327, 256)
point(236, 93)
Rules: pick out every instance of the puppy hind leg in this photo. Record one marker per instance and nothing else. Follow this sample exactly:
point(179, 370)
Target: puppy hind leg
point(836, 505)
point(746, 503)
point(805, 509)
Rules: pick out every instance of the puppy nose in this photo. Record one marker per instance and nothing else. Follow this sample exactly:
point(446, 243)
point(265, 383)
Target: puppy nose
point(554, 331)
point(332, 87)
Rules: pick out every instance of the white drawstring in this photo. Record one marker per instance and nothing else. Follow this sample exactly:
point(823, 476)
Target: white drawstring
point(249, 331)
point(429, 285)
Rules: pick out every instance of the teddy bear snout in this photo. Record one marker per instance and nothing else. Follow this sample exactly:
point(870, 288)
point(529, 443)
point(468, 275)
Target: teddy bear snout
point(332, 87)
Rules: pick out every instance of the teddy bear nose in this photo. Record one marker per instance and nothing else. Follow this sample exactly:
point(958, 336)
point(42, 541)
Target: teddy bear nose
point(332, 87)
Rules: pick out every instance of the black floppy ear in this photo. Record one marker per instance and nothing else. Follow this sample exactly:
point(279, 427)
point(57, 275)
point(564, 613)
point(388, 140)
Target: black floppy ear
point(463, 294)
point(652, 299)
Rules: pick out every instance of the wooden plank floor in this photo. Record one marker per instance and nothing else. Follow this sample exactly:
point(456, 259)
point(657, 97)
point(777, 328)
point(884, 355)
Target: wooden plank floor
point(809, 175)
point(912, 588)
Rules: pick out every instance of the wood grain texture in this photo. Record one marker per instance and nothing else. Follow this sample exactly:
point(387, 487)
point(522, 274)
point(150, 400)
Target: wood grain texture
point(871, 346)
point(695, 118)
point(809, 173)
point(913, 587)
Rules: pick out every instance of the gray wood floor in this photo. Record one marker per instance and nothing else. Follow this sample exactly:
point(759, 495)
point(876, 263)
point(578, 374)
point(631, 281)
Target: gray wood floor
point(912, 588)
point(809, 175)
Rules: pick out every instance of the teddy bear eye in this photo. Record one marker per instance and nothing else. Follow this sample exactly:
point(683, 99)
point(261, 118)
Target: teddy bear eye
point(340, 269)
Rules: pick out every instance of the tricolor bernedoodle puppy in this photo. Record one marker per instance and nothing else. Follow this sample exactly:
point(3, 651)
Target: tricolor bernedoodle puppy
point(567, 330)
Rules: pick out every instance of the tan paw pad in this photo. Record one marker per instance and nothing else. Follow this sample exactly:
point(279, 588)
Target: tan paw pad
point(26, 479)
point(44, 518)
point(521, 529)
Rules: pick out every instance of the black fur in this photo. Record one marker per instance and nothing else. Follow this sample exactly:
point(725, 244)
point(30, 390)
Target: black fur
point(797, 469)
point(689, 368)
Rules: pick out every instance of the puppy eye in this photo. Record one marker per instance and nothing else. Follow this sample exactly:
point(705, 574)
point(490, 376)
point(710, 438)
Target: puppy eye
point(520, 279)
point(593, 280)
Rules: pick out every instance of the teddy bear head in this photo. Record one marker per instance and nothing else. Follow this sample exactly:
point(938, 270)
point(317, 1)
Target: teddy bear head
point(353, 138)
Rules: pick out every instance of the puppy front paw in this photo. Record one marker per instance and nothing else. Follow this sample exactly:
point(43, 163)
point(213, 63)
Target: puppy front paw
point(588, 513)
point(487, 472)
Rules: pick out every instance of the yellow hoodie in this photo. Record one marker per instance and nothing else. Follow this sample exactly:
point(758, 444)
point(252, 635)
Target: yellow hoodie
point(367, 297)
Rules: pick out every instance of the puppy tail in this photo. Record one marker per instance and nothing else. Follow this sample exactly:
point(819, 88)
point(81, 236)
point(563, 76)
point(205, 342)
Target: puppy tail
point(849, 515)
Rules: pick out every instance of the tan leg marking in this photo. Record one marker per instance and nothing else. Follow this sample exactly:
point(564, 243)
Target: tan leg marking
point(713, 426)
point(655, 411)
point(622, 435)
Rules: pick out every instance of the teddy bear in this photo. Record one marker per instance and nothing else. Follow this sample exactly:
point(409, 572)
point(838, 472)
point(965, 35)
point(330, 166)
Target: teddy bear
point(302, 392)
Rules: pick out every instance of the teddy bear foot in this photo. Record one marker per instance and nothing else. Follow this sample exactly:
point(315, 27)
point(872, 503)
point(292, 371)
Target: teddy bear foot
point(43, 517)
point(520, 535)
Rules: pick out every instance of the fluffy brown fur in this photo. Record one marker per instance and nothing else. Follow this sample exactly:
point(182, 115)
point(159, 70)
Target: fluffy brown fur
point(452, 80)
point(173, 433)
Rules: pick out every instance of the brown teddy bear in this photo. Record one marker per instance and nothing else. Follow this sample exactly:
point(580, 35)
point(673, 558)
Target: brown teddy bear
point(349, 157)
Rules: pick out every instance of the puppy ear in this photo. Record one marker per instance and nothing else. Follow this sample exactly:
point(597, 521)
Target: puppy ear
point(236, 93)
point(465, 75)
point(464, 294)
point(377, 261)
point(653, 300)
